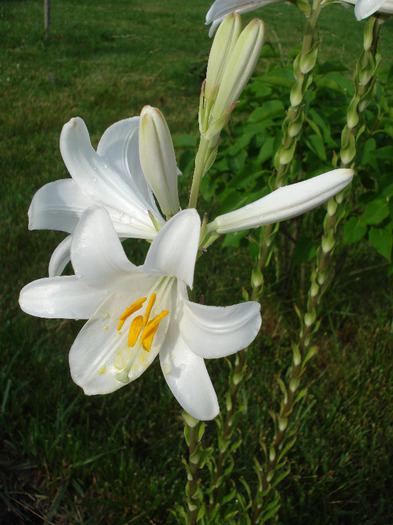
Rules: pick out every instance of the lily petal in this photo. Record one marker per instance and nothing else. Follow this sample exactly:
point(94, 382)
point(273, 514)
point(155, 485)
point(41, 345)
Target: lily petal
point(221, 8)
point(60, 257)
point(181, 234)
point(187, 377)
point(64, 297)
point(284, 203)
point(98, 346)
point(120, 145)
point(57, 206)
point(365, 8)
point(97, 255)
point(99, 180)
point(214, 331)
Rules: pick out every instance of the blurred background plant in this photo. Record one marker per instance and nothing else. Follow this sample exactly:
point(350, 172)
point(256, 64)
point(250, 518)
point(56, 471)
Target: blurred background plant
point(67, 458)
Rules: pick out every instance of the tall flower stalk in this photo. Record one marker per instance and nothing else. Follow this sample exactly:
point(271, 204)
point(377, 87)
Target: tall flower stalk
point(232, 60)
point(364, 82)
point(293, 123)
point(292, 391)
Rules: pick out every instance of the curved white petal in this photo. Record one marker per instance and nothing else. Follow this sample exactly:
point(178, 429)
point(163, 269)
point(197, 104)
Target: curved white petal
point(57, 206)
point(64, 297)
point(217, 331)
point(173, 251)
point(365, 8)
point(120, 145)
point(221, 8)
point(187, 377)
point(99, 180)
point(60, 257)
point(97, 255)
point(284, 203)
point(100, 352)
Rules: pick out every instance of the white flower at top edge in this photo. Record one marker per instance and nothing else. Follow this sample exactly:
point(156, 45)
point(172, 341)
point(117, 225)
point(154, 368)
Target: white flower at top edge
point(111, 177)
point(135, 313)
point(221, 8)
point(366, 8)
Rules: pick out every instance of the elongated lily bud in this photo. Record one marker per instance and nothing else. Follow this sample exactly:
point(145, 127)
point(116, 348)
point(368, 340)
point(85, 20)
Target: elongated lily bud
point(158, 160)
point(232, 60)
point(223, 44)
point(239, 67)
point(284, 203)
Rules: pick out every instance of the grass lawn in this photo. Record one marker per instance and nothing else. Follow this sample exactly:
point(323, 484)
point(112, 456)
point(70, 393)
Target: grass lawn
point(70, 459)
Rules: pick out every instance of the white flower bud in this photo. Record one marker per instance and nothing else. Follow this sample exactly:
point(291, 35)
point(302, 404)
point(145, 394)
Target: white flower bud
point(158, 160)
point(285, 203)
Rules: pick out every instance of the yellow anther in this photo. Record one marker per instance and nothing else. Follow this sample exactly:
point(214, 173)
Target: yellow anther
point(130, 310)
point(135, 330)
point(150, 305)
point(150, 330)
point(102, 370)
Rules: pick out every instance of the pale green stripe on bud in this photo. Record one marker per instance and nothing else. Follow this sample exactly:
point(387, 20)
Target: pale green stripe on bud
point(285, 203)
point(223, 44)
point(239, 67)
point(158, 160)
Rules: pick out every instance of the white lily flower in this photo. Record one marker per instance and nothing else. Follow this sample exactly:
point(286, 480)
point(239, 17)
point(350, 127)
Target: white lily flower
point(112, 177)
point(366, 8)
point(221, 8)
point(285, 203)
point(134, 313)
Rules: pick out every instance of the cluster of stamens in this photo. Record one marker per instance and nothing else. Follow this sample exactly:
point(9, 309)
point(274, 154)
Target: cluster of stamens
point(142, 327)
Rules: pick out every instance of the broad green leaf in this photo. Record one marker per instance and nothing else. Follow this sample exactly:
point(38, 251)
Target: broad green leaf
point(267, 151)
point(354, 230)
point(305, 250)
point(184, 141)
point(375, 212)
point(269, 109)
point(260, 90)
point(233, 239)
point(236, 163)
point(280, 78)
point(316, 145)
point(323, 125)
point(382, 240)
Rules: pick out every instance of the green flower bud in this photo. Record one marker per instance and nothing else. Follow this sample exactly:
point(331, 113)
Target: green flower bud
point(352, 113)
point(308, 60)
point(239, 66)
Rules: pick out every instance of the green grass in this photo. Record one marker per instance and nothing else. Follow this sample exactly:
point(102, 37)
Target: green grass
point(70, 459)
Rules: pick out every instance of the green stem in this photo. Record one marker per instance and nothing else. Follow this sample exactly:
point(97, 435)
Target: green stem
point(193, 432)
point(321, 274)
point(293, 123)
point(236, 379)
point(201, 166)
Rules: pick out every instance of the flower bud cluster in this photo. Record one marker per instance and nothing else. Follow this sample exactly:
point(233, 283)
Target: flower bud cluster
point(232, 60)
point(364, 81)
